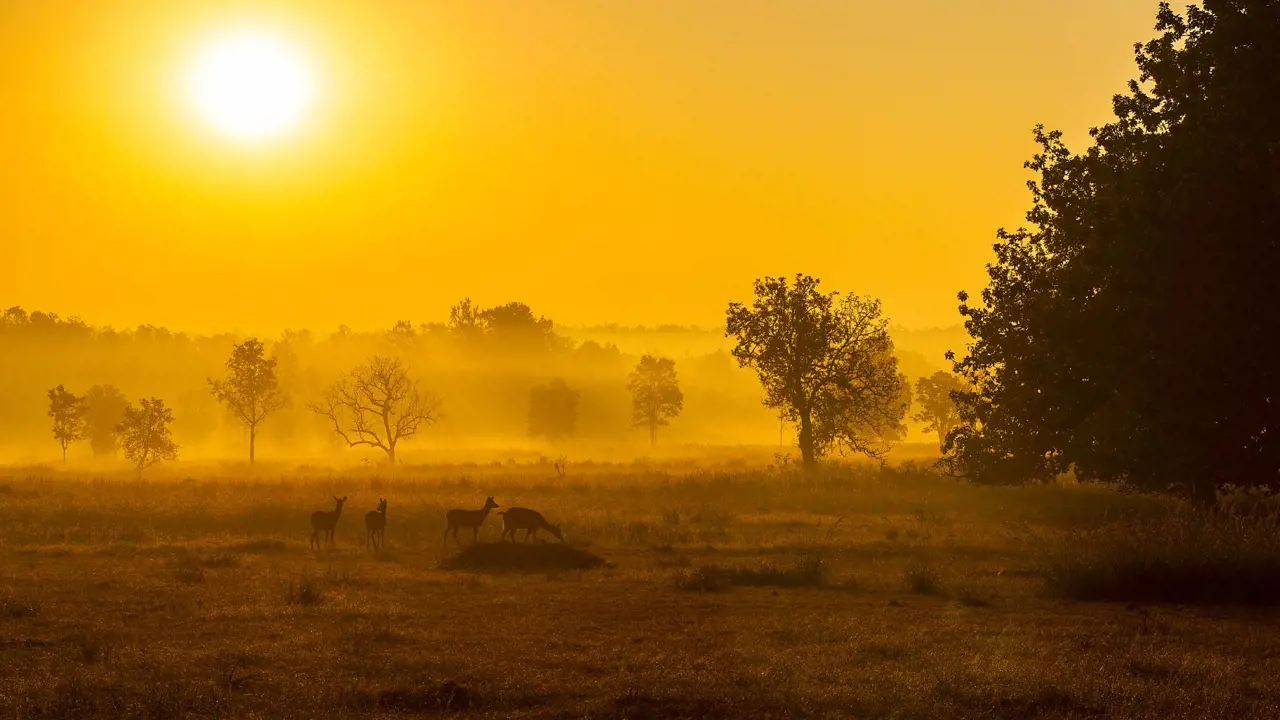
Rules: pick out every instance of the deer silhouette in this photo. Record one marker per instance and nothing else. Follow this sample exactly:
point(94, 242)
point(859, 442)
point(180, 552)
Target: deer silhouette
point(375, 525)
point(530, 521)
point(326, 521)
point(458, 519)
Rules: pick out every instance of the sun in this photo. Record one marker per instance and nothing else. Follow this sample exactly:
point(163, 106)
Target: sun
point(251, 85)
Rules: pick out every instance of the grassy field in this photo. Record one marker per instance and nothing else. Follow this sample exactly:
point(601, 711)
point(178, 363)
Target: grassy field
point(728, 592)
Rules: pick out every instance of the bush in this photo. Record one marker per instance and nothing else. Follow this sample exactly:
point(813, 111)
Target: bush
point(708, 578)
point(923, 580)
point(306, 591)
point(1186, 557)
point(806, 572)
point(523, 557)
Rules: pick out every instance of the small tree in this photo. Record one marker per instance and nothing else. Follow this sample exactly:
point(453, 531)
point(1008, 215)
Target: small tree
point(553, 410)
point(378, 405)
point(103, 412)
point(937, 408)
point(655, 394)
point(145, 435)
point(67, 411)
point(251, 391)
point(826, 361)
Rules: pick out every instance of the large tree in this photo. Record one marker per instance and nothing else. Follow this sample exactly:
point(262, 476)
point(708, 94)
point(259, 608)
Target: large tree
point(935, 406)
point(103, 411)
point(378, 405)
point(1128, 332)
point(67, 411)
point(251, 391)
point(145, 435)
point(826, 361)
point(655, 394)
point(553, 410)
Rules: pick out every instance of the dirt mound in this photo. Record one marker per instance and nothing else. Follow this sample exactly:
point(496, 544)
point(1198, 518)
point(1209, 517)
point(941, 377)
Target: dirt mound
point(519, 556)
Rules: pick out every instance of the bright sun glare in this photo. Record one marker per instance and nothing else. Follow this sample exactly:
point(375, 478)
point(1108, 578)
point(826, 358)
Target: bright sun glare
point(250, 85)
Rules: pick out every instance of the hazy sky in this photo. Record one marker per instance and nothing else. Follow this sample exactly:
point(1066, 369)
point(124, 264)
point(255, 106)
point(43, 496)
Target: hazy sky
point(637, 161)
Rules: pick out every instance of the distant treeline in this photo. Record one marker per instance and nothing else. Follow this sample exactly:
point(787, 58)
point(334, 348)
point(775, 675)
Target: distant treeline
point(483, 365)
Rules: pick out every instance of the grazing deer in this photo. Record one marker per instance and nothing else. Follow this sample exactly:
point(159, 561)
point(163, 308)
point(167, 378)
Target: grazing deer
point(473, 519)
point(530, 521)
point(375, 526)
point(325, 521)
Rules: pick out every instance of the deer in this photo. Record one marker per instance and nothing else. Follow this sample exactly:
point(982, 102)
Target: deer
point(473, 519)
point(375, 526)
point(325, 521)
point(531, 521)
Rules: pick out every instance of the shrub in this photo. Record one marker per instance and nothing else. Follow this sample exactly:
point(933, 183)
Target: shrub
point(924, 580)
point(707, 578)
point(806, 572)
point(306, 591)
point(189, 574)
point(1188, 556)
point(537, 557)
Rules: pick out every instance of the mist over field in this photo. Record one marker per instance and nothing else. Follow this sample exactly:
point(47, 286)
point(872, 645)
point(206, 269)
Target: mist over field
point(483, 380)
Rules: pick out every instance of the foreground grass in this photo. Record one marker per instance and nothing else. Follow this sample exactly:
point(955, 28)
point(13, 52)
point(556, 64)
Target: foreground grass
point(1186, 556)
point(864, 593)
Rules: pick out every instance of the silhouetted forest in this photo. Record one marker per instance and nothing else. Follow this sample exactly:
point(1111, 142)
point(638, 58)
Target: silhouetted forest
point(484, 365)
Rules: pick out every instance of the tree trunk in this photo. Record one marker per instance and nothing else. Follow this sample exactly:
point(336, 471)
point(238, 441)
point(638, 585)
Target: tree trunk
point(64, 453)
point(806, 441)
point(653, 434)
point(391, 454)
point(942, 438)
point(253, 434)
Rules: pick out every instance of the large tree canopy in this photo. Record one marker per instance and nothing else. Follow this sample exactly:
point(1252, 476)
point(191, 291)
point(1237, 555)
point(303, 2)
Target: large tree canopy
point(826, 362)
point(1127, 333)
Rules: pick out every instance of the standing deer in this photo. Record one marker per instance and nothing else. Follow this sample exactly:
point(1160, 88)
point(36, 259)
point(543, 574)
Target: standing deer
point(375, 526)
point(325, 521)
point(473, 519)
point(530, 521)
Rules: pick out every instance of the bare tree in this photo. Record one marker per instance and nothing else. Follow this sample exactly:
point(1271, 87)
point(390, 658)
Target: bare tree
point(377, 405)
point(251, 391)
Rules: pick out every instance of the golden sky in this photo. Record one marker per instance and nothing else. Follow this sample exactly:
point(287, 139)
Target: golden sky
point(632, 161)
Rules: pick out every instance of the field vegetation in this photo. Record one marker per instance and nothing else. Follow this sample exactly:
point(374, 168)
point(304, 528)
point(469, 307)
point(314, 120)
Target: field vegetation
point(725, 590)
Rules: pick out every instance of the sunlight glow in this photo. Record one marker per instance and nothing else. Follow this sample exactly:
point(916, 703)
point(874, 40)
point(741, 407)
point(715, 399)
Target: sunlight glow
point(250, 85)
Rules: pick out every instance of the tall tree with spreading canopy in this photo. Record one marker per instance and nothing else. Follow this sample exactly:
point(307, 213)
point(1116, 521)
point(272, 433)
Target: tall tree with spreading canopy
point(67, 411)
point(553, 410)
point(378, 405)
point(1127, 334)
point(251, 391)
point(826, 362)
point(655, 394)
point(937, 409)
point(103, 412)
point(145, 435)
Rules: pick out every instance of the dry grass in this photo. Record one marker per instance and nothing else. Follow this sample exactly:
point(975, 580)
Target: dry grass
point(1186, 557)
point(102, 614)
point(522, 558)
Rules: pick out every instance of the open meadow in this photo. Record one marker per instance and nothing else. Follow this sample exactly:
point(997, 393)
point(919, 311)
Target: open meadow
point(728, 591)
